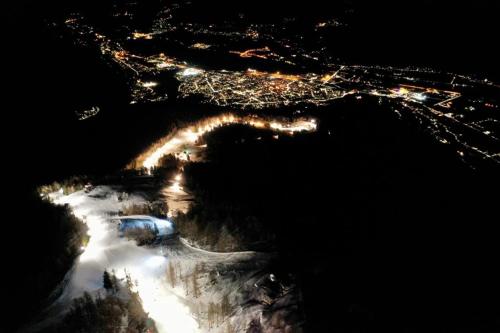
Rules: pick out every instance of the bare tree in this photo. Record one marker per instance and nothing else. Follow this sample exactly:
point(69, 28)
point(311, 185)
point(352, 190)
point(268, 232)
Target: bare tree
point(171, 275)
point(196, 286)
point(225, 306)
point(212, 314)
point(185, 281)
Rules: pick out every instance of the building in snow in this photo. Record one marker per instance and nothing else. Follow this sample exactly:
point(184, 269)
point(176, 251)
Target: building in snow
point(160, 227)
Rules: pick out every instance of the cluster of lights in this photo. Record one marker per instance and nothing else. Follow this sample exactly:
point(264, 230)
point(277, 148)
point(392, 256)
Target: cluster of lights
point(188, 137)
point(200, 46)
point(406, 93)
point(161, 61)
point(190, 72)
point(262, 53)
point(256, 89)
point(140, 35)
point(148, 84)
point(85, 114)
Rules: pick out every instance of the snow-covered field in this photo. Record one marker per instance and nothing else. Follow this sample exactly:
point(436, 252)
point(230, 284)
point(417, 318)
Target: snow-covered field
point(174, 308)
point(184, 289)
point(106, 251)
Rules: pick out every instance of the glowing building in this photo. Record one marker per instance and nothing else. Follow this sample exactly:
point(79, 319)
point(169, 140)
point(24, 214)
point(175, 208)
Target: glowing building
point(160, 227)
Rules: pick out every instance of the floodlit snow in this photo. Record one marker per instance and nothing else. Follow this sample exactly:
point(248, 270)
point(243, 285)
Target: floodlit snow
point(164, 226)
point(171, 310)
point(106, 250)
point(166, 309)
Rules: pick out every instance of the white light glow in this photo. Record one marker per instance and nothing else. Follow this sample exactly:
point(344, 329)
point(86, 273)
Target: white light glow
point(155, 261)
point(191, 71)
point(419, 96)
point(164, 65)
point(149, 84)
point(105, 250)
point(176, 187)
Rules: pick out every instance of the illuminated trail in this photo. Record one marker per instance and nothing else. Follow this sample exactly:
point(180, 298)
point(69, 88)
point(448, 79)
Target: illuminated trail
point(187, 137)
point(183, 145)
point(460, 110)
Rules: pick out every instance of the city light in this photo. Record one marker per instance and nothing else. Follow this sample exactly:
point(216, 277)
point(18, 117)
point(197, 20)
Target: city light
point(190, 72)
point(140, 35)
point(201, 46)
point(186, 138)
point(419, 96)
point(257, 53)
point(258, 90)
point(149, 84)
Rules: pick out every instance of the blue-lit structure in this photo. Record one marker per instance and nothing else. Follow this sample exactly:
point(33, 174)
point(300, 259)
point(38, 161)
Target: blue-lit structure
point(160, 227)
